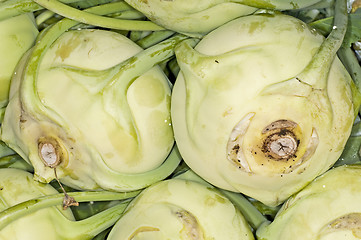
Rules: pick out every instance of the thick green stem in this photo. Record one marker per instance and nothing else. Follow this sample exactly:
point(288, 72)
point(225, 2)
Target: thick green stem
point(350, 61)
point(92, 226)
point(2, 112)
point(11, 8)
point(145, 60)
point(320, 65)
point(351, 152)
point(154, 38)
point(22, 209)
point(15, 161)
point(5, 150)
point(96, 20)
point(43, 17)
point(277, 4)
point(254, 217)
point(174, 67)
point(142, 180)
point(130, 14)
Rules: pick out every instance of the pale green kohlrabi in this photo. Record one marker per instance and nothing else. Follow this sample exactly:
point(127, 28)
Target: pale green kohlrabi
point(261, 107)
point(17, 35)
point(181, 209)
point(28, 211)
point(327, 209)
point(92, 105)
point(199, 17)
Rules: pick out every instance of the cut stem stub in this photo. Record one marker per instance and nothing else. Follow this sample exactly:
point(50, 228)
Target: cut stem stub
point(49, 152)
point(282, 143)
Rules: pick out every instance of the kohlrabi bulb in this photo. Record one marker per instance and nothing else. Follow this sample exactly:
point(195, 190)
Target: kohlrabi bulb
point(181, 209)
point(199, 17)
point(17, 35)
point(262, 106)
point(84, 106)
point(327, 209)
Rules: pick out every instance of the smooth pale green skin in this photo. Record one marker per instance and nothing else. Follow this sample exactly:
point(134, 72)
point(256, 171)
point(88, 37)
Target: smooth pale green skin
point(227, 77)
point(106, 127)
point(310, 213)
point(46, 224)
point(191, 17)
point(200, 17)
point(17, 35)
point(154, 214)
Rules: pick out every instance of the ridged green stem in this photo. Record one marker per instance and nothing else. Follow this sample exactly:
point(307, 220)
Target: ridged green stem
point(11, 8)
point(97, 20)
point(320, 65)
point(22, 209)
point(5, 150)
point(145, 60)
point(92, 226)
point(15, 161)
point(42, 17)
point(2, 112)
point(277, 4)
point(351, 152)
point(254, 217)
point(154, 38)
point(350, 61)
point(142, 180)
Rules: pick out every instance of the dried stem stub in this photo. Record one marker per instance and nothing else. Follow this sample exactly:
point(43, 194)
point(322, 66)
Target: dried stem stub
point(281, 142)
point(51, 153)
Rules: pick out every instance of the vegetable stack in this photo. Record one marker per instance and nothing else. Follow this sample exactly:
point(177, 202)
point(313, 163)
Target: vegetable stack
point(180, 119)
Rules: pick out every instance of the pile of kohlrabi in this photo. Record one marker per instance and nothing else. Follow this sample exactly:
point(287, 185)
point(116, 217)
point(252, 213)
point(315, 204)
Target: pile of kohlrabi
point(192, 120)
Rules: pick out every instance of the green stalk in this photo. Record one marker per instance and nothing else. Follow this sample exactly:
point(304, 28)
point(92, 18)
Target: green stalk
point(315, 74)
point(137, 35)
point(6, 161)
point(43, 17)
point(82, 4)
point(351, 152)
point(143, 179)
point(349, 60)
point(92, 226)
point(2, 112)
point(96, 20)
point(11, 8)
point(174, 67)
point(22, 209)
point(145, 60)
point(130, 14)
point(320, 65)
point(102, 235)
point(15, 161)
point(5, 150)
point(277, 4)
point(254, 217)
point(154, 38)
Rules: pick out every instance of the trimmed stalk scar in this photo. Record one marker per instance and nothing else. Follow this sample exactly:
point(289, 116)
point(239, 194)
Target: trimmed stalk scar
point(52, 156)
